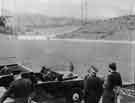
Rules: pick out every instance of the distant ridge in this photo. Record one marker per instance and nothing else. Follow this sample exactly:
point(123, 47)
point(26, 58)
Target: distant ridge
point(118, 28)
point(40, 20)
point(27, 22)
point(5, 12)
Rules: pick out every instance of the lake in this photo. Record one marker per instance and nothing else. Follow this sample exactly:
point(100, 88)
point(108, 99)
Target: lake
point(36, 53)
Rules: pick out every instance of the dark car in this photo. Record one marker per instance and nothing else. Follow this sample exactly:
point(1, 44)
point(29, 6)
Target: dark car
point(57, 84)
point(63, 84)
point(66, 84)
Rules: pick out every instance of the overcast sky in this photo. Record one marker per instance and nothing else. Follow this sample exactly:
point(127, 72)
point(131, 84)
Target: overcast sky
point(71, 8)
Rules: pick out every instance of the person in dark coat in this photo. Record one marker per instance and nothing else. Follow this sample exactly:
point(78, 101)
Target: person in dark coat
point(20, 88)
point(112, 84)
point(92, 86)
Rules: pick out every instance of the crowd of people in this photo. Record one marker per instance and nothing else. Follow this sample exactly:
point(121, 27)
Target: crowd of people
point(95, 89)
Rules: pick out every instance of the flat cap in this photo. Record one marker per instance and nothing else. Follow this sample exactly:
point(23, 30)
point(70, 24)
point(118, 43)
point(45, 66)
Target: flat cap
point(112, 66)
point(92, 69)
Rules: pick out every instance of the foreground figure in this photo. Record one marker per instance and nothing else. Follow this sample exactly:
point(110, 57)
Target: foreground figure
point(20, 88)
point(92, 86)
point(111, 85)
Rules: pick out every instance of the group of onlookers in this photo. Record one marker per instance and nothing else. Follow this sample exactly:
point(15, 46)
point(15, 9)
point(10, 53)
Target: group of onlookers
point(102, 90)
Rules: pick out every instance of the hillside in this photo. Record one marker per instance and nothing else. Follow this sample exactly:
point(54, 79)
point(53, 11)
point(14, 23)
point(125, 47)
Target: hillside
point(39, 20)
point(119, 28)
point(23, 23)
point(35, 23)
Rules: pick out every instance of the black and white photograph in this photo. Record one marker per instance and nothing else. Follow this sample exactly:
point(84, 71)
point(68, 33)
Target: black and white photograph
point(67, 51)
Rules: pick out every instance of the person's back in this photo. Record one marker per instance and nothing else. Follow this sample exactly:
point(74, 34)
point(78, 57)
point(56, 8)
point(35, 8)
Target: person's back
point(20, 89)
point(115, 78)
point(92, 88)
point(112, 84)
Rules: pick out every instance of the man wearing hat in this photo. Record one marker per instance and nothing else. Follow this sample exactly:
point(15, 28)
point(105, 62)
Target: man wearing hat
point(112, 82)
point(92, 86)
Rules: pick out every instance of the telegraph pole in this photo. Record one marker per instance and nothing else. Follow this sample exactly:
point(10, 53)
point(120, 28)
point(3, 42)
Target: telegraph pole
point(131, 9)
point(86, 11)
point(82, 13)
point(133, 64)
point(1, 9)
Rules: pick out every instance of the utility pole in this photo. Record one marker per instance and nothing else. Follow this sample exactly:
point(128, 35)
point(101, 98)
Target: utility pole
point(1, 8)
point(82, 12)
point(133, 64)
point(86, 11)
point(131, 9)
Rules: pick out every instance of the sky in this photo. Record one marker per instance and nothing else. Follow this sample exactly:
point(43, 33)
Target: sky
point(70, 8)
